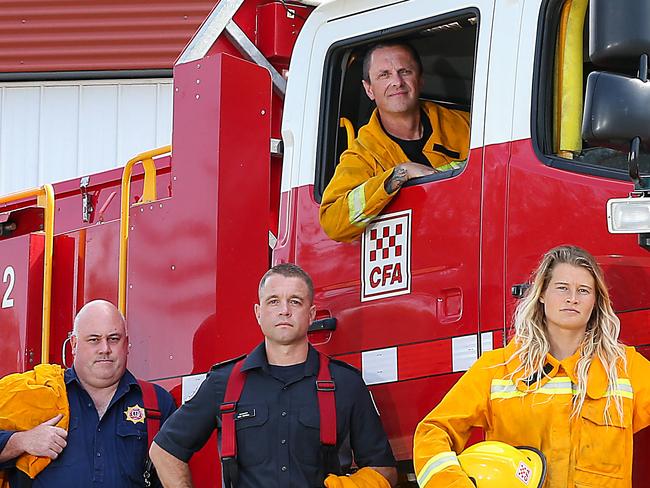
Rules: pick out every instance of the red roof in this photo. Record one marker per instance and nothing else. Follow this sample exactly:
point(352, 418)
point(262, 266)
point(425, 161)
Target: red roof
point(81, 35)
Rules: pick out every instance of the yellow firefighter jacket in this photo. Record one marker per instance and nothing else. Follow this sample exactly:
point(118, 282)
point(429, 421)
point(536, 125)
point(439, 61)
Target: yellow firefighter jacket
point(580, 452)
point(364, 478)
point(356, 193)
point(29, 399)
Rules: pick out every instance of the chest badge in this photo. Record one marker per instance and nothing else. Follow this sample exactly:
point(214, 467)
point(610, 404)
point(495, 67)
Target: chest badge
point(135, 414)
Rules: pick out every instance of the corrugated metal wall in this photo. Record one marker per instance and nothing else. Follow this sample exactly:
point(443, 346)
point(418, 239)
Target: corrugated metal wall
point(52, 131)
point(55, 130)
point(80, 35)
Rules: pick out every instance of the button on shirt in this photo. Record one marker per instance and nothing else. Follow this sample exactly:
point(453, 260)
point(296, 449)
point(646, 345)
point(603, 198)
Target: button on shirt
point(106, 453)
point(278, 421)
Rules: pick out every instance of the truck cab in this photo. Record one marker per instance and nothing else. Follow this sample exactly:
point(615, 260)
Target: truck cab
point(433, 281)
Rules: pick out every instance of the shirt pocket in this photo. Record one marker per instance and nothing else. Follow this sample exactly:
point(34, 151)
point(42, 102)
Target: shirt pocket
point(306, 437)
point(70, 468)
point(605, 449)
point(132, 451)
point(68, 456)
point(253, 434)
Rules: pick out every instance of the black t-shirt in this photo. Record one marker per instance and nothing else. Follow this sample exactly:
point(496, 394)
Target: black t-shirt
point(413, 149)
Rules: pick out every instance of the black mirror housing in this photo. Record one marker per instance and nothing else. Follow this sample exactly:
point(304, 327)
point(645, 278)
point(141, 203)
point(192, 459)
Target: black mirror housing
point(619, 32)
point(616, 110)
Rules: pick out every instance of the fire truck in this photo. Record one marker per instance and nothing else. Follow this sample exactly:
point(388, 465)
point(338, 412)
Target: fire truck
point(267, 95)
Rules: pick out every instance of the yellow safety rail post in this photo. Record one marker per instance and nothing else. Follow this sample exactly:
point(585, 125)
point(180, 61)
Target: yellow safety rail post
point(44, 198)
point(148, 195)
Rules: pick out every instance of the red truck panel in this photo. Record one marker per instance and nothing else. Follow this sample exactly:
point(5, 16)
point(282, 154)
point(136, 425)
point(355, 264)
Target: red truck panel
point(21, 302)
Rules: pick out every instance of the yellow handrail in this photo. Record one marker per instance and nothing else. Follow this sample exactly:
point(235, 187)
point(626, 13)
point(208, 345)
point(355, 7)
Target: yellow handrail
point(44, 198)
point(568, 86)
point(349, 130)
point(148, 195)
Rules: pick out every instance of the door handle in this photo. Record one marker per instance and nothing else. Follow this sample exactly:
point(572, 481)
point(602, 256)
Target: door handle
point(519, 290)
point(325, 324)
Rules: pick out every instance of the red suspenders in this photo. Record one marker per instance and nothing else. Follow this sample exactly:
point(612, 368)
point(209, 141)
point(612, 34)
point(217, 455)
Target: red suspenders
point(325, 388)
point(151, 408)
point(152, 418)
point(326, 405)
point(228, 409)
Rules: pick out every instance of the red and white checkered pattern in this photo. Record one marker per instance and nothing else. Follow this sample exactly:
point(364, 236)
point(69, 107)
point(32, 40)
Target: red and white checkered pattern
point(524, 472)
point(385, 246)
point(386, 261)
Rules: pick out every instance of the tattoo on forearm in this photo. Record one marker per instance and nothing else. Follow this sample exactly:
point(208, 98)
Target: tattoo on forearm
point(397, 179)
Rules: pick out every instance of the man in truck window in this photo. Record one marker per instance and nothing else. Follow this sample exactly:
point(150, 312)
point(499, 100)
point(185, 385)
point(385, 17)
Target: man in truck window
point(278, 415)
point(405, 138)
point(105, 444)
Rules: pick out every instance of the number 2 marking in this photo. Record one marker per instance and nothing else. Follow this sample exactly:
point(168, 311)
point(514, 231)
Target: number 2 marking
point(10, 276)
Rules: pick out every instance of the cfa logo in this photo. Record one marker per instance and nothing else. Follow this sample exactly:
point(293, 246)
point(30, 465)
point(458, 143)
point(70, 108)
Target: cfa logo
point(386, 264)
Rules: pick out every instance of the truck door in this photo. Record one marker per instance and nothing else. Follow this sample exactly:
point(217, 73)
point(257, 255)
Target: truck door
point(404, 294)
point(559, 183)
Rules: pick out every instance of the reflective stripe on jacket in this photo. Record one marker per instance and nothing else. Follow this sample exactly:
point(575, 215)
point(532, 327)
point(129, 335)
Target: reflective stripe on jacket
point(580, 452)
point(356, 193)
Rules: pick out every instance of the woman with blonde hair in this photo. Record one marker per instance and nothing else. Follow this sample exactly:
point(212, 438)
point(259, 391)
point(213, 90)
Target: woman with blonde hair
point(564, 385)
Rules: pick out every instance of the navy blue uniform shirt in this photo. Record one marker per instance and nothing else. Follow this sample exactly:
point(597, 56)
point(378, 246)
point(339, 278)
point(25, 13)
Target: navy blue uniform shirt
point(106, 453)
point(278, 421)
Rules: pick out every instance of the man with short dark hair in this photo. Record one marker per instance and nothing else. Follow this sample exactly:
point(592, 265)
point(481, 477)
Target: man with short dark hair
point(278, 429)
point(105, 445)
point(405, 138)
point(288, 270)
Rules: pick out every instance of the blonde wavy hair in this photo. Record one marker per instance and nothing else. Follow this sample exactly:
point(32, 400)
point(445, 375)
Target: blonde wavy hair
point(601, 335)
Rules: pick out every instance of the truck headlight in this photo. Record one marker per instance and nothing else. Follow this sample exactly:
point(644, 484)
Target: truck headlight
point(629, 215)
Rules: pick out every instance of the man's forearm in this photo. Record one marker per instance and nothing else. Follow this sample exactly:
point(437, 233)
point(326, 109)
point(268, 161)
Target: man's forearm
point(172, 472)
point(396, 180)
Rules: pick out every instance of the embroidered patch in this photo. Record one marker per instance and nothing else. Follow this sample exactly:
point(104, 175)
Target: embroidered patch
point(135, 414)
point(524, 472)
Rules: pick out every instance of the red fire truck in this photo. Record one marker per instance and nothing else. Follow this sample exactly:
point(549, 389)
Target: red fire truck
point(266, 96)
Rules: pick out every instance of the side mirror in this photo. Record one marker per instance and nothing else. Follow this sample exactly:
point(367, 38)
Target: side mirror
point(616, 115)
point(619, 32)
point(616, 106)
point(619, 39)
point(616, 110)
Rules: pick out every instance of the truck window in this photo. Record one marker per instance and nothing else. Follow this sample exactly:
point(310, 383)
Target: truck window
point(447, 49)
point(562, 77)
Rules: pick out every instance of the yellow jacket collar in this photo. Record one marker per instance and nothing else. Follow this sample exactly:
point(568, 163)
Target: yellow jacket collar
point(523, 382)
point(596, 378)
point(446, 138)
point(385, 150)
